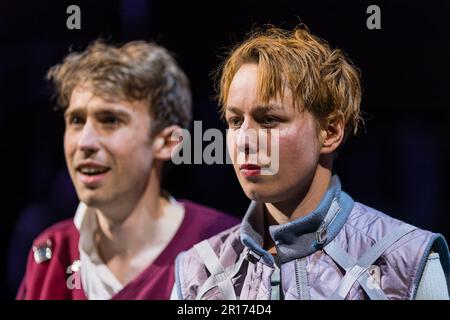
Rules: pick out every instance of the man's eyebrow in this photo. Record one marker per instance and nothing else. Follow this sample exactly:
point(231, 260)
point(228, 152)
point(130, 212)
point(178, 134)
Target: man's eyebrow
point(112, 111)
point(98, 111)
point(73, 110)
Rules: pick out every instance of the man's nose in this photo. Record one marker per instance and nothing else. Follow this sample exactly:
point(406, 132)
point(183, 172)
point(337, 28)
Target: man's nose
point(89, 139)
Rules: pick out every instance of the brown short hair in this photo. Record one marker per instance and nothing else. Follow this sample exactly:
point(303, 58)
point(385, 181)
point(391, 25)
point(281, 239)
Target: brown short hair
point(322, 80)
point(137, 70)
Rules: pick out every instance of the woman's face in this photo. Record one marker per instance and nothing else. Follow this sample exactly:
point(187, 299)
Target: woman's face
point(292, 137)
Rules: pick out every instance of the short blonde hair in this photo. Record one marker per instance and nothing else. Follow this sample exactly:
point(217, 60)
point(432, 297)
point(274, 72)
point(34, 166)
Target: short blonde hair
point(322, 80)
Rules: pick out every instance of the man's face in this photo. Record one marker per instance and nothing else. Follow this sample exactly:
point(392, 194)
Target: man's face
point(298, 144)
point(108, 148)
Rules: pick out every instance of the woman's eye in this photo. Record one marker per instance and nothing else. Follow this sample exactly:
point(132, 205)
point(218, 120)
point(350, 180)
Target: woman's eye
point(269, 121)
point(234, 122)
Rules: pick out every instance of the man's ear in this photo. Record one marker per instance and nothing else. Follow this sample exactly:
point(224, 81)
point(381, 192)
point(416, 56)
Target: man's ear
point(165, 142)
point(333, 133)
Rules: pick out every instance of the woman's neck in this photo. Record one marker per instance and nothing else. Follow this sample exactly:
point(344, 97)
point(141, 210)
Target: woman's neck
point(291, 209)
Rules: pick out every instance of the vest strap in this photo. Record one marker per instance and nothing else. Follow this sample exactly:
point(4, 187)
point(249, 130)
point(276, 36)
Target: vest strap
point(220, 277)
point(358, 271)
point(275, 282)
point(346, 261)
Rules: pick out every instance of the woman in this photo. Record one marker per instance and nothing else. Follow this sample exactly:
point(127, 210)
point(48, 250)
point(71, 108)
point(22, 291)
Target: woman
point(302, 236)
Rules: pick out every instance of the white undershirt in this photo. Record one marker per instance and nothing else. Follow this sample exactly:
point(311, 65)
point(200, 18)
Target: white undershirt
point(98, 282)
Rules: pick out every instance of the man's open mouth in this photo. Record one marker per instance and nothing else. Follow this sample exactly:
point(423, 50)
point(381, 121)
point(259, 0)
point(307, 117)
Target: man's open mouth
point(92, 169)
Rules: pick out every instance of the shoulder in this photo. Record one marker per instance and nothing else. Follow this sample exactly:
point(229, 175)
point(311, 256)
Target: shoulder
point(224, 244)
point(370, 226)
point(61, 231)
point(56, 245)
point(191, 271)
point(52, 252)
point(405, 256)
point(205, 211)
point(227, 240)
point(367, 226)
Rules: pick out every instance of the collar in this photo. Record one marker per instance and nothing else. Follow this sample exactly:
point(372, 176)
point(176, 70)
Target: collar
point(98, 281)
point(303, 236)
point(85, 221)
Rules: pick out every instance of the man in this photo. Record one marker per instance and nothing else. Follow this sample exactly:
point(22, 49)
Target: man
point(302, 236)
point(121, 106)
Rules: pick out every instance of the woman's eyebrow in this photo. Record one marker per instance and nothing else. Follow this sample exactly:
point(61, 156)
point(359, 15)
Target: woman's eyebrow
point(233, 109)
point(260, 109)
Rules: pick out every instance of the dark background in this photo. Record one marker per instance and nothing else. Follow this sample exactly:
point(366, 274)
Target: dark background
point(399, 164)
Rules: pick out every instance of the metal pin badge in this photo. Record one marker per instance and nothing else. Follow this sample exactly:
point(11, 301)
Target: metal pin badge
point(43, 252)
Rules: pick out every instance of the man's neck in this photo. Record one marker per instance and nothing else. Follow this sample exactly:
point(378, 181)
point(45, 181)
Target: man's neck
point(129, 245)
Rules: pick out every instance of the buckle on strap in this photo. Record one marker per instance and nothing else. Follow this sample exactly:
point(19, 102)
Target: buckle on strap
point(253, 257)
point(321, 233)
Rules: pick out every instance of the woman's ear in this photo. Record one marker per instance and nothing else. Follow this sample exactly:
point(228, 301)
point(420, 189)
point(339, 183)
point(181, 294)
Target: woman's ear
point(333, 133)
point(165, 142)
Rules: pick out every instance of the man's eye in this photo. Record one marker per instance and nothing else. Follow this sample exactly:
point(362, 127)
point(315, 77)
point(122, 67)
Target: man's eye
point(75, 120)
point(110, 120)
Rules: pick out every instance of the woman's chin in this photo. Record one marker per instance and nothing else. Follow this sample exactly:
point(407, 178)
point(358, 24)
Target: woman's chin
point(260, 195)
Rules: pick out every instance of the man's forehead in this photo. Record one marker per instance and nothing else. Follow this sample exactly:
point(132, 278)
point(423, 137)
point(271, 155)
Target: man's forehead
point(100, 109)
point(83, 99)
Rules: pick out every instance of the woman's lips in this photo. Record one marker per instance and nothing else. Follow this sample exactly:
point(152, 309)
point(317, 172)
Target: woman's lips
point(250, 170)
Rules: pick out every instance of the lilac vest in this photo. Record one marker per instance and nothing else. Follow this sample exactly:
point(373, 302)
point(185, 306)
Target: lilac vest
point(341, 250)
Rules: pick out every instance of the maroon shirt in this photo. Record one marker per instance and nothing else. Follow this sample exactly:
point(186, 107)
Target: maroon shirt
point(48, 280)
